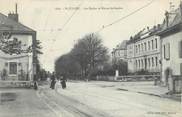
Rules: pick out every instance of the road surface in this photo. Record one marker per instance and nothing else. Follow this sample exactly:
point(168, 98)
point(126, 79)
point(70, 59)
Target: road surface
point(42, 103)
point(82, 99)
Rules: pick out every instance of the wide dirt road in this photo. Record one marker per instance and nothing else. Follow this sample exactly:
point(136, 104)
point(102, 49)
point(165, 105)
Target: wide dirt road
point(42, 103)
point(22, 103)
point(82, 99)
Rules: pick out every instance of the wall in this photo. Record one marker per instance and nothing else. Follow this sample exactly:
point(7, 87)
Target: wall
point(174, 59)
point(147, 54)
point(141, 53)
point(130, 57)
point(24, 60)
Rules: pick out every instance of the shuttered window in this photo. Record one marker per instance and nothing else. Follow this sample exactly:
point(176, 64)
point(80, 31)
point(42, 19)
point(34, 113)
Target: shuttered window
point(152, 44)
point(164, 52)
point(148, 62)
point(167, 51)
point(148, 45)
point(180, 49)
point(156, 61)
point(180, 68)
point(152, 61)
point(6, 64)
point(12, 68)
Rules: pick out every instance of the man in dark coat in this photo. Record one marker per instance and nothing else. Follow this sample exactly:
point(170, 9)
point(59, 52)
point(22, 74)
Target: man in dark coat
point(53, 80)
point(63, 82)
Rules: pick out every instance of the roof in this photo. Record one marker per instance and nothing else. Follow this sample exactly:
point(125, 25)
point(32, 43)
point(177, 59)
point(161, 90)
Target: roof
point(174, 21)
point(121, 46)
point(7, 24)
point(145, 33)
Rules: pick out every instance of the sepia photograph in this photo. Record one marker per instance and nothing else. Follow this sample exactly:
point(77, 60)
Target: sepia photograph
point(90, 58)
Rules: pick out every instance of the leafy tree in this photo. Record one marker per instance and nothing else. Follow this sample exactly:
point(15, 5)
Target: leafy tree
point(122, 66)
point(84, 59)
point(14, 46)
point(90, 52)
point(67, 66)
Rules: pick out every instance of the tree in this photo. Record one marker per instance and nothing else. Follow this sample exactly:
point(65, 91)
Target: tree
point(10, 45)
point(84, 59)
point(38, 52)
point(90, 52)
point(122, 66)
point(67, 66)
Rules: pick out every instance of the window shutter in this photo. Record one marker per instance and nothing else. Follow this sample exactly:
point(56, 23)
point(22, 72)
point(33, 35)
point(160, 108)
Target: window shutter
point(6, 64)
point(164, 51)
point(167, 51)
point(180, 68)
point(180, 49)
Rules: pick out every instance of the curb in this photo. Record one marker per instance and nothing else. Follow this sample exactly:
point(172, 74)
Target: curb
point(151, 94)
point(172, 97)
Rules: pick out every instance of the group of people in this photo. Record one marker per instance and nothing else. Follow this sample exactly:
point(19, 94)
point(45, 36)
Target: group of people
point(61, 79)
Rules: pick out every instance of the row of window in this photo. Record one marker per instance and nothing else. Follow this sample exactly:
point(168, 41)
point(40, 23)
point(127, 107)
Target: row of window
point(119, 53)
point(146, 63)
point(151, 45)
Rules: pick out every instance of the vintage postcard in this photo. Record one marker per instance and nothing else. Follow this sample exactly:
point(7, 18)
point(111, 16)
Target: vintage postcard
point(90, 58)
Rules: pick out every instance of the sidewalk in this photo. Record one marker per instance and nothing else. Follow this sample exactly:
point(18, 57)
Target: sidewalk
point(148, 88)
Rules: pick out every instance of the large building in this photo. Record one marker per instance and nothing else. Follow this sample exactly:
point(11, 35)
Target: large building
point(130, 55)
point(171, 41)
point(119, 53)
point(143, 51)
point(16, 66)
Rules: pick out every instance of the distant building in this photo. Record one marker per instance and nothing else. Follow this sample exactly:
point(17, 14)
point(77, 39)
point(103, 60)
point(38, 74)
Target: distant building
point(17, 66)
point(119, 53)
point(131, 55)
point(143, 51)
point(171, 41)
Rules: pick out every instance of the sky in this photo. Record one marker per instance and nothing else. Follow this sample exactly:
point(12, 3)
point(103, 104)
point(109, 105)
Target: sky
point(60, 23)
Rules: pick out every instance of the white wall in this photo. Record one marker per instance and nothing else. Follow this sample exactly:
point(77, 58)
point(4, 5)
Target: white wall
point(133, 55)
point(144, 50)
point(174, 61)
point(130, 57)
point(25, 59)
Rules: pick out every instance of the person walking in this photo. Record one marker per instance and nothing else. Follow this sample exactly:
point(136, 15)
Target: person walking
point(53, 81)
point(63, 82)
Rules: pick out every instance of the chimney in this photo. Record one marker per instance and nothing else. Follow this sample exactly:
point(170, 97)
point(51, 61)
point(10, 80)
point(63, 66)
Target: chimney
point(158, 26)
point(180, 6)
point(16, 9)
point(167, 18)
point(14, 16)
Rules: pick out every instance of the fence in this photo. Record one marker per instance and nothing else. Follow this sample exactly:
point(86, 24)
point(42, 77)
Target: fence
point(138, 77)
point(12, 84)
point(176, 84)
point(129, 78)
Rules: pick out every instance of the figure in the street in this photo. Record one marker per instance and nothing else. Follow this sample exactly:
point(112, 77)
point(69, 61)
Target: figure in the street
point(35, 85)
point(63, 82)
point(53, 81)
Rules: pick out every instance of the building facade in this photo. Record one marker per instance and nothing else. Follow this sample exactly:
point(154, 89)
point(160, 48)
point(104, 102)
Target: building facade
point(171, 40)
point(119, 53)
point(17, 66)
point(130, 56)
point(143, 51)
